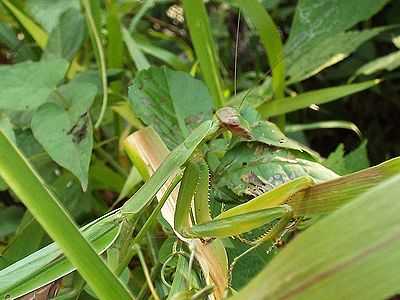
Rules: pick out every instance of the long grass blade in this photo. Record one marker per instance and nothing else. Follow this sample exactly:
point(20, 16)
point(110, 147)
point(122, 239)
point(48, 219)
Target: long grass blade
point(289, 104)
point(30, 188)
point(200, 32)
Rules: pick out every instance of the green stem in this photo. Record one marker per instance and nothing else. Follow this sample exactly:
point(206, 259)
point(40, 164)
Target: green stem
point(101, 57)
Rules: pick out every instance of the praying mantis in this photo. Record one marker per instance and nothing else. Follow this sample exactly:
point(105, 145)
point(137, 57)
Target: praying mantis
point(113, 232)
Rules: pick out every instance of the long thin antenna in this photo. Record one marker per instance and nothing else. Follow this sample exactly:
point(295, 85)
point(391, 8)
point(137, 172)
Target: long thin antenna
point(267, 73)
point(236, 54)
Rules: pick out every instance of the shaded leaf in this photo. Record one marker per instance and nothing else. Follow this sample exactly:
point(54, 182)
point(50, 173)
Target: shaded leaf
point(67, 37)
point(353, 162)
point(66, 132)
point(326, 51)
point(315, 19)
point(356, 245)
point(27, 85)
point(47, 13)
point(173, 102)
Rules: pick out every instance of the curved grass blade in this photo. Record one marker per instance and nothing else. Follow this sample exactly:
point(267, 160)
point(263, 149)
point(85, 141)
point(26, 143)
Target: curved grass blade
point(324, 125)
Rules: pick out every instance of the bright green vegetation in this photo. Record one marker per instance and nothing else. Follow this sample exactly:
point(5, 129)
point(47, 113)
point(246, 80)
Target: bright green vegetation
point(122, 178)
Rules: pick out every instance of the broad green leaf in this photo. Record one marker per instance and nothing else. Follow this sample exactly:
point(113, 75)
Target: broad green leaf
point(388, 62)
point(37, 33)
point(65, 131)
point(355, 246)
point(250, 169)
point(352, 162)
point(200, 33)
point(289, 104)
point(326, 51)
point(47, 13)
point(27, 85)
point(67, 36)
point(268, 133)
point(313, 19)
point(173, 102)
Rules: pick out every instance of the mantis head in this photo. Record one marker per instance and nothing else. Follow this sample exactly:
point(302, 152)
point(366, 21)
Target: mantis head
point(231, 120)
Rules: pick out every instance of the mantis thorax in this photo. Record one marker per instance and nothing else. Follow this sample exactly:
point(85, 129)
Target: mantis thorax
point(231, 120)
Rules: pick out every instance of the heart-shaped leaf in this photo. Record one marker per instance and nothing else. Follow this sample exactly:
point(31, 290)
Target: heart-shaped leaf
point(173, 102)
point(65, 131)
point(27, 85)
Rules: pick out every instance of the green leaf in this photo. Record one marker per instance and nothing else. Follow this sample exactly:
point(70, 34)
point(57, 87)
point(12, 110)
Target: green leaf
point(268, 133)
point(388, 62)
point(173, 102)
point(353, 162)
point(289, 104)
point(27, 85)
point(326, 51)
point(66, 38)
point(66, 132)
point(47, 13)
point(250, 169)
point(355, 246)
point(313, 20)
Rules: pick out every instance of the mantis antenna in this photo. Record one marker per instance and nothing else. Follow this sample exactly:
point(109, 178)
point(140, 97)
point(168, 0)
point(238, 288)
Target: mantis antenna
point(264, 75)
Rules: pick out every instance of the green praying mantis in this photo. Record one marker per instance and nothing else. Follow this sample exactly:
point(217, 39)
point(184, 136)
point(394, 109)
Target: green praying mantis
point(113, 232)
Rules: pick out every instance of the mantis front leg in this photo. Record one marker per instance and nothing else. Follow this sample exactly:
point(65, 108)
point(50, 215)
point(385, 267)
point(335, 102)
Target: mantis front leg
point(243, 218)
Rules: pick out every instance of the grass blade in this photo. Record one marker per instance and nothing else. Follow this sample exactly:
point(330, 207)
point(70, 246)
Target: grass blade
point(37, 33)
point(98, 47)
point(289, 104)
point(29, 187)
point(200, 32)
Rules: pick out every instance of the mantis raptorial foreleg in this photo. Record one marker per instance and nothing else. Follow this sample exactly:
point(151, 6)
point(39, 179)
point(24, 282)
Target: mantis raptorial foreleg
point(243, 218)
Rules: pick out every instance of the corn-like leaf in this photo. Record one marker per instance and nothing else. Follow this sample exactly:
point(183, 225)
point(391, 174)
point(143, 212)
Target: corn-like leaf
point(340, 256)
